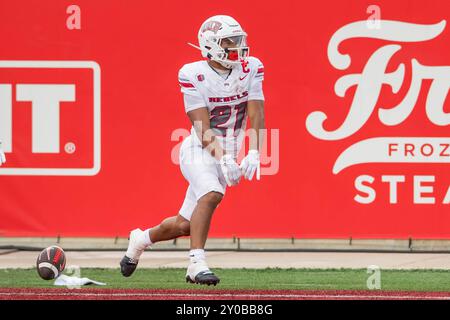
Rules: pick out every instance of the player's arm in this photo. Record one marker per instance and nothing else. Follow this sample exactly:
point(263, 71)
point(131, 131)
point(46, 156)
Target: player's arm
point(255, 111)
point(200, 120)
point(198, 114)
point(251, 163)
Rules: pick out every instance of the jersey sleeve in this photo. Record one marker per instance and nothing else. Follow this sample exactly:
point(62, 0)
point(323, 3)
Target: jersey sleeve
point(256, 90)
point(191, 96)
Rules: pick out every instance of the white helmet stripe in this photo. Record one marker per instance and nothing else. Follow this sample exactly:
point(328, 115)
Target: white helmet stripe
point(50, 266)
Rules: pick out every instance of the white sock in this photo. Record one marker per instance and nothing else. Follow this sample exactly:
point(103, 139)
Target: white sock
point(197, 255)
point(146, 238)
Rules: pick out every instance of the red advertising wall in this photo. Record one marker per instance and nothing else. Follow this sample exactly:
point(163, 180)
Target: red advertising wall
point(356, 108)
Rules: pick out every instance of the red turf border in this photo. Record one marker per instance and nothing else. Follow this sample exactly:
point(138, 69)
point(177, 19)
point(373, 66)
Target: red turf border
point(137, 294)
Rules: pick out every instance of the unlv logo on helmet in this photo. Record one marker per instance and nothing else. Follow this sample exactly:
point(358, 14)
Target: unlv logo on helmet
point(213, 26)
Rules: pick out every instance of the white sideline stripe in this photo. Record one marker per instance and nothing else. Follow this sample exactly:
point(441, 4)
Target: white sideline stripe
point(81, 294)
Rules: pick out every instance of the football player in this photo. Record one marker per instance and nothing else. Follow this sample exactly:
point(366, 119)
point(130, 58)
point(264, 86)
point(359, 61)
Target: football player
point(219, 93)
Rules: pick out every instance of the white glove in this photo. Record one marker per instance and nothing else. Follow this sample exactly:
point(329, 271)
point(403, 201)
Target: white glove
point(251, 164)
point(230, 170)
point(2, 155)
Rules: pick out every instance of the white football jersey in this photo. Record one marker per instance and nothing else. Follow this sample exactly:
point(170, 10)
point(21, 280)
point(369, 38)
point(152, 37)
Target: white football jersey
point(225, 97)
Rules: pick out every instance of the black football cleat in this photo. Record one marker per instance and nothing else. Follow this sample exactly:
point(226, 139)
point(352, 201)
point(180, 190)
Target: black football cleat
point(203, 277)
point(135, 250)
point(127, 266)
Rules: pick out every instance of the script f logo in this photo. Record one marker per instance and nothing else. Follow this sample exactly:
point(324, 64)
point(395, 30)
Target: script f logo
point(368, 86)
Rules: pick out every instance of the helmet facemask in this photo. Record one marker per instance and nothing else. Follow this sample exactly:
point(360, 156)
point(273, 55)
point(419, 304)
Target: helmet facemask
point(233, 51)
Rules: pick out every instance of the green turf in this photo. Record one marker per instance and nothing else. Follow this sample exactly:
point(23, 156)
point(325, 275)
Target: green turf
point(305, 279)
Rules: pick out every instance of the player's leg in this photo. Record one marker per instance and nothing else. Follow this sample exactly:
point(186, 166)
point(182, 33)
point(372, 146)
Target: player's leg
point(198, 271)
point(177, 226)
point(201, 218)
point(168, 229)
point(208, 186)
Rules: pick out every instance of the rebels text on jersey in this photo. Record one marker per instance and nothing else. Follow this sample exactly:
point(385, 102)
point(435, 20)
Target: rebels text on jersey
point(225, 98)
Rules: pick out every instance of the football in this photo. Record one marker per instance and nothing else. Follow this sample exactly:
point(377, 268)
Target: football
point(51, 262)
